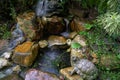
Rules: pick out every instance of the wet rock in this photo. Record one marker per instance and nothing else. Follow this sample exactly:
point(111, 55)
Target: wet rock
point(16, 68)
point(31, 31)
point(81, 40)
point(72, 35)
point(43, 43)
point(54, 25)
point(34, 74)
point(66, 73)
point(6, 55)
point(77, 25)
point(17, 37)
point(4, 62)
point(12, 77)
point(56, 40)
point(3, 46)
point(2, 75)
point(25, 53)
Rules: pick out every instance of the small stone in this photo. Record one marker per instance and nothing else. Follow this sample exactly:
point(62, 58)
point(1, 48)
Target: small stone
point(16, 68)
point(56, 40)
point(81, 40)
point(66, 73)
point(34, 74)
point(4, 62)
point(6, 55)
point(43, 43)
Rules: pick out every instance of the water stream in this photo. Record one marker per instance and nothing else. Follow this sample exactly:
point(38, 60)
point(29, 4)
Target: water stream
point(53, 59)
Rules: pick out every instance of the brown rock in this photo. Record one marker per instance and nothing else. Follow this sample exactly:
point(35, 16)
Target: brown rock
point(43, 43)
point(77, 25)
point(72, 35)
point(31, 31)
point(80, 39)
point(12, 77)
point(25, 53)
point(56, 40)
point(66, 73)
point(34, 74)
point(55, 25)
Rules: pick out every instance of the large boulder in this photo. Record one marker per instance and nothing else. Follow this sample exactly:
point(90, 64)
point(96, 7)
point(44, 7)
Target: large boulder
point(77, 25)
point(31, 31)
point(54, 25)
point(25, 53)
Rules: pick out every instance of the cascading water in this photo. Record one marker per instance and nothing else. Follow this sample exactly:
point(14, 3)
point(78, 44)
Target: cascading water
point(66, 33)
point(47, 8)
point(17, 37)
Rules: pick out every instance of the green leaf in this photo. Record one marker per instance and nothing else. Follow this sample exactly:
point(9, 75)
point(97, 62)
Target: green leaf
point(88, 26)
point(75, 45)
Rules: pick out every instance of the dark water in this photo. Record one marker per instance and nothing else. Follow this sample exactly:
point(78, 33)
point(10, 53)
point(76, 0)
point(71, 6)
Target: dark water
point(53, 60)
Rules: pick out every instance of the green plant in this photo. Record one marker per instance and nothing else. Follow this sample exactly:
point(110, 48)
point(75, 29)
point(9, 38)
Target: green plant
point(4, 32)
point(113, 6)
point(109, 75)
point(75, 45)
point(13, 11)
point(88, 26)
point(110, 22)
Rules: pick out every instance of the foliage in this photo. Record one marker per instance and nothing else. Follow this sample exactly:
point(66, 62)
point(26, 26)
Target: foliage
point(113, 6)
point(75, 45)
point(100, 42)
point(4, 32)
point(10, 8)
point(109, 75)
point(88, 26)
point(110, 21)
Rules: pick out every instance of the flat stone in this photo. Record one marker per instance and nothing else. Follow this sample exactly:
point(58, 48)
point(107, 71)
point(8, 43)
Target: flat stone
point(25, 53)
point(43, 43)
point(56, 40)
point(66, 73)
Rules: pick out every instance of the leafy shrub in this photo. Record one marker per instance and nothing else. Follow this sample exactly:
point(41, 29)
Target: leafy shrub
point(110, 22)
point(4, 32)
point(113, 6)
